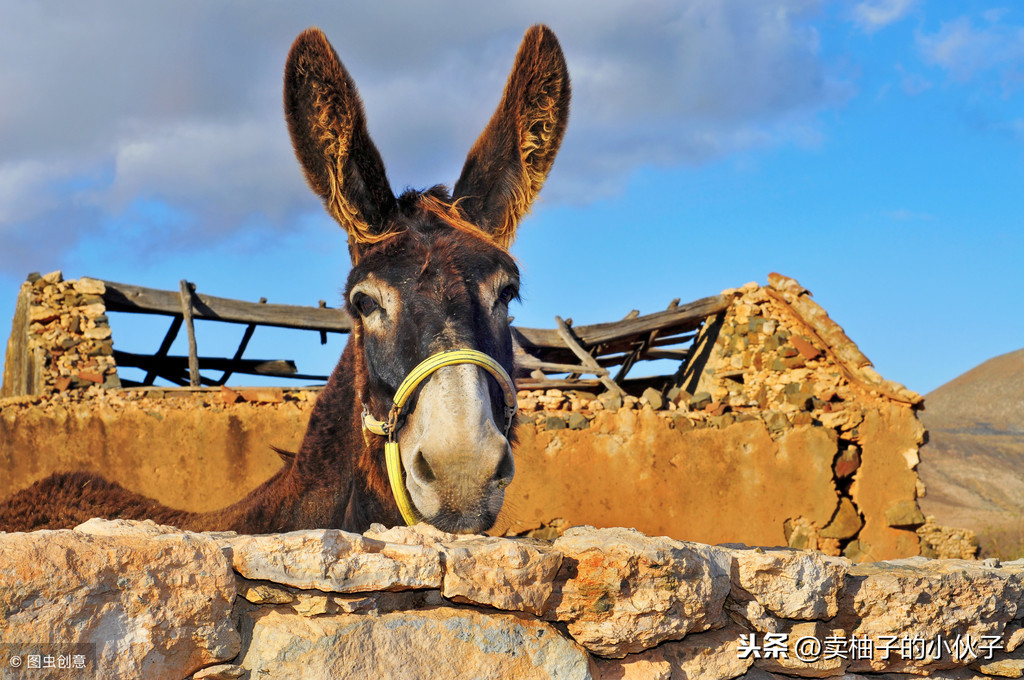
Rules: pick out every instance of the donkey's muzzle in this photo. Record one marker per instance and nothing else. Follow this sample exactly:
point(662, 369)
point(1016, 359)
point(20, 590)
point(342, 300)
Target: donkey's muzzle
point(416, 377)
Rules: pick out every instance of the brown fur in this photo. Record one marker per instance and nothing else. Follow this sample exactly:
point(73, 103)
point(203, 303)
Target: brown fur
point(507, 166)
point(432, 244)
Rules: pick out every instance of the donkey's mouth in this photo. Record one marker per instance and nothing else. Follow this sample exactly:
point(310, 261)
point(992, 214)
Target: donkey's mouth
point(463, 523)
point(458, 510)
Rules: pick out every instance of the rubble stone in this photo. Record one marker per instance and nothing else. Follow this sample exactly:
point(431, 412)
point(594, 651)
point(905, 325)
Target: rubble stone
point(155, 605)
point(619, 605)
point(335, 561)
point(790, 584)
point(654, 398)
point(946, 542)
point(619, 591)
point(904, 514)
point(846, 522)
point(440, 642)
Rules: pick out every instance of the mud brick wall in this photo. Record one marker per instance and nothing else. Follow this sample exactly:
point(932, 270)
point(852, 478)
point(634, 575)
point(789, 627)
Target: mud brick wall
point(778, 432)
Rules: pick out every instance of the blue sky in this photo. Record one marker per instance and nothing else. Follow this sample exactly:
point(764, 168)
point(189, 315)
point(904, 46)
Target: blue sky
point(874, 151)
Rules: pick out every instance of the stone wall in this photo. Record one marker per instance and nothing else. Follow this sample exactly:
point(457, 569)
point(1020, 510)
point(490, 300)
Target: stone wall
point(140, 600)
point(60, 338)
point(777, 433)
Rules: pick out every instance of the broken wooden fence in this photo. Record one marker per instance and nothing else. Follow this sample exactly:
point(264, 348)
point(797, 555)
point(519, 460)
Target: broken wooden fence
point(545, 358)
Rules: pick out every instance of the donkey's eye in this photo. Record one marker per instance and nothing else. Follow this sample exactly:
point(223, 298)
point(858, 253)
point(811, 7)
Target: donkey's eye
point(364, 304)
point(508, 294)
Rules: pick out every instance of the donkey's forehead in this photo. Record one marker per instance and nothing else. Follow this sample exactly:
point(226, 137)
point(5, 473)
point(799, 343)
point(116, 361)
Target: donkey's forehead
point(432, 251)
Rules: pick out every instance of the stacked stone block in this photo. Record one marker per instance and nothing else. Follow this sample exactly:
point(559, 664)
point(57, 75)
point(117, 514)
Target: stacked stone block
point(69, 335)
point(596, 604)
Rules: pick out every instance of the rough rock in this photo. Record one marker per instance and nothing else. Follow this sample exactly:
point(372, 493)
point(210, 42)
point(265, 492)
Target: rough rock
point(262, 592)
point(335, 561)
point(654, 398)
point(221, 671)
point(1014, 634)
point(803, 661)
point(66, 331)
point(442, 642)
point(904, 514)
point(920, 598)
point(420, 534)
point(788, 583)
point(947, 542)
point(845, 523)
point(501, 573)
point(619, 591)
point(155, 605)
point(88, 286)
point(1003, 668)
point(714, 654)
point(511, 574)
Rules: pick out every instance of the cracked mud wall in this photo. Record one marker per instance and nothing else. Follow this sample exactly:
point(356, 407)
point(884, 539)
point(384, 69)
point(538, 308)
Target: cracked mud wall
point(779, 433)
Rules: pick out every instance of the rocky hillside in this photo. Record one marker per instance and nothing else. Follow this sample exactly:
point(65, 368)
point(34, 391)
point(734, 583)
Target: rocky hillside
point(973, 464)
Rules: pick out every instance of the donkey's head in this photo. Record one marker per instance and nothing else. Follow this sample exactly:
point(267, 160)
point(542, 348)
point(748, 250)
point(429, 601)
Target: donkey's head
point(431, 272)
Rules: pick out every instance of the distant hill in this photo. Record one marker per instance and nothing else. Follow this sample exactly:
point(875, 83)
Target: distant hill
point(973, 463)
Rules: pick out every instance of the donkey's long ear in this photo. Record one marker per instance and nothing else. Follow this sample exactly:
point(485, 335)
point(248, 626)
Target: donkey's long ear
point(328, 129)
point(509, 162)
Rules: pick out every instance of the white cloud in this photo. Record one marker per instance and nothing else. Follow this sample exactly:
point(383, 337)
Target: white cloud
point(22, 186)
point(876, 14)
point(110, 102)
point(233, 169)
point(966, 51)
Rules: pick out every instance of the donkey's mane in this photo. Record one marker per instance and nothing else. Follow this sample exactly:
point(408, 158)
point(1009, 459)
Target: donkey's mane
point(437, 202)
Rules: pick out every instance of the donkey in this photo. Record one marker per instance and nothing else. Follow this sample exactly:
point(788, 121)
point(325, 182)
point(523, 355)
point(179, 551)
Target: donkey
point(430, 272)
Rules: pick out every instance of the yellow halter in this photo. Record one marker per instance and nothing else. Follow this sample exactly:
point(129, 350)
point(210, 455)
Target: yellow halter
point(389, 428)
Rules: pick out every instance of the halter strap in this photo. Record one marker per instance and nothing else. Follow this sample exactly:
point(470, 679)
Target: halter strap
point(389, 428)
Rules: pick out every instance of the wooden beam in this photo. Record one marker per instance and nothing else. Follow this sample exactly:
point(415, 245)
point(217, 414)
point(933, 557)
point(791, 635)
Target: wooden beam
point(670, 322)
point(583, 355)
point(635, 355)
point(179, 364)
point(186, 312)
point(165, 346)
point(246, 337)
point(121, 297)
point(556, 384)
point(529, 362)
point(22, 369)
point(320, 304)
point(671, 354)
point(688, 315)
point(553, 350)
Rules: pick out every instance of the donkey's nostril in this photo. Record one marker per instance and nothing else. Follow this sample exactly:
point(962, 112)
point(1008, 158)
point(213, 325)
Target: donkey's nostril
point(424, 473)
point(506, 469)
